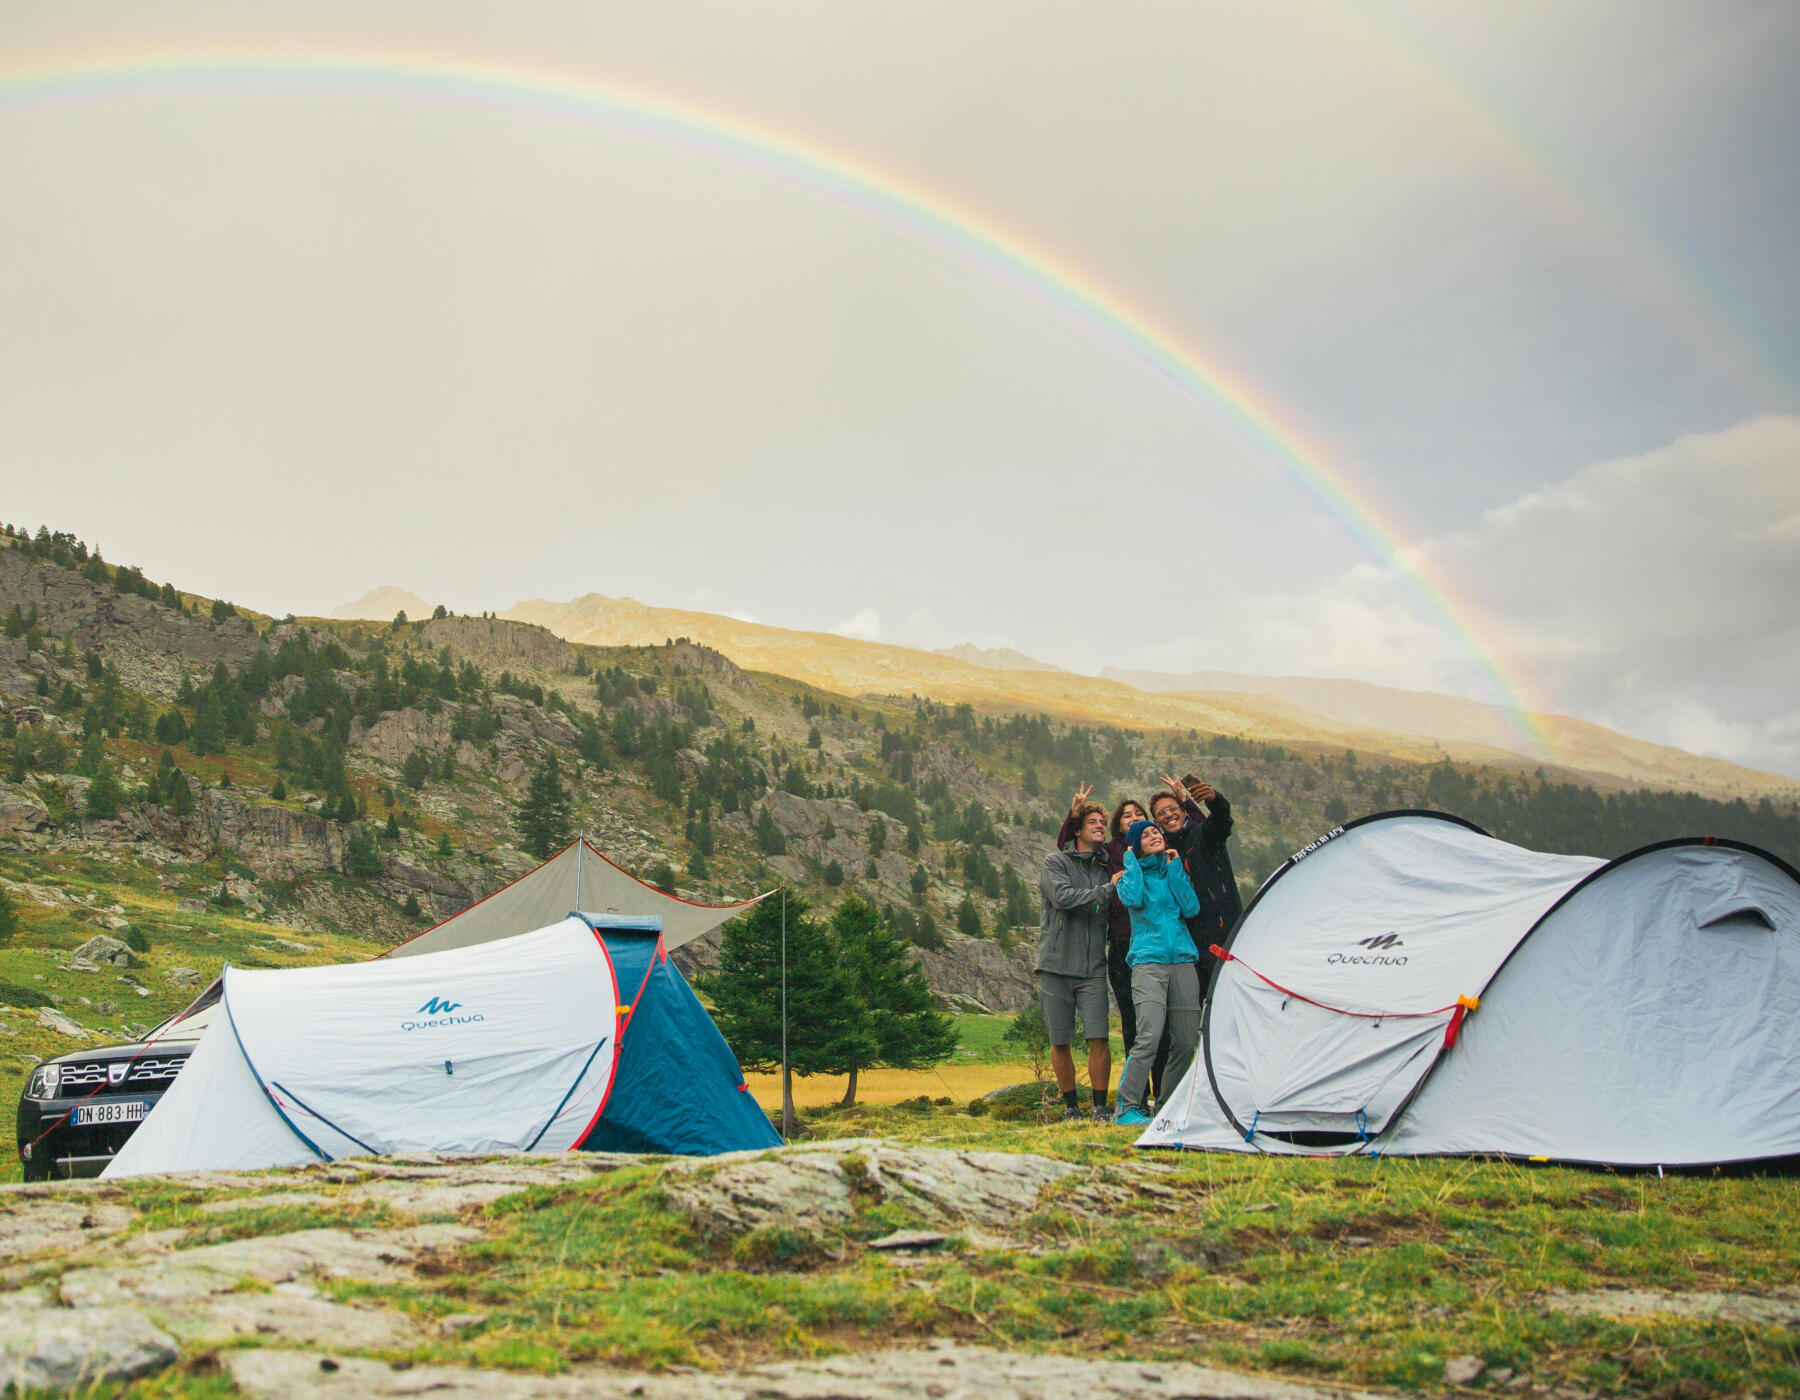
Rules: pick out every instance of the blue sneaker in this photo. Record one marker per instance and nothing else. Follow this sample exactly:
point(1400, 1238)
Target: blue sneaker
point(1131, 1118)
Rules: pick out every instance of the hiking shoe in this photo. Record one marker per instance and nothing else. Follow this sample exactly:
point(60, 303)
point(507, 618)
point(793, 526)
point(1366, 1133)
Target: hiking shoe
point(1101, 1113)
point(1131, 1118)
point(1074, 1115)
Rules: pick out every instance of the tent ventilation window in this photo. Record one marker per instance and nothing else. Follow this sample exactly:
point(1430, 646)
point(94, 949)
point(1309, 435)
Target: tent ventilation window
point(1737, 914)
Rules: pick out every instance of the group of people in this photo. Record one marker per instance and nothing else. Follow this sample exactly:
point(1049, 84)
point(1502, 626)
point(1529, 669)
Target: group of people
point(1133, 900)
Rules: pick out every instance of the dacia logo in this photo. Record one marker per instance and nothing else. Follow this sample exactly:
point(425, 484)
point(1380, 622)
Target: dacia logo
point(1382, 940)
point(434, 1007)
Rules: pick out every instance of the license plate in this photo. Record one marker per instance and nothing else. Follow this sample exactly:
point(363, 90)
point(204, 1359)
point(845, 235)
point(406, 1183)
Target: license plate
point(91, 1113)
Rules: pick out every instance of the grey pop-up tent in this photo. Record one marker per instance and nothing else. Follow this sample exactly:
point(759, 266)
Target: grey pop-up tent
point(1410, 985)
point(576, 877)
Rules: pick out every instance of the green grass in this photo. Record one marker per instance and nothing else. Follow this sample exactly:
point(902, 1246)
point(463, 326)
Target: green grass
point(1367, 1272)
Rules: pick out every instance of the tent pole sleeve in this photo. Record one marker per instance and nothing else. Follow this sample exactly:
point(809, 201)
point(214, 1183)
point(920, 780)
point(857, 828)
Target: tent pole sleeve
point(255, 1074)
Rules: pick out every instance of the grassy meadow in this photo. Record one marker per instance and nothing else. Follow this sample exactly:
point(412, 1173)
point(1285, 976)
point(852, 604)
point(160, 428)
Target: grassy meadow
point(1351, 1272)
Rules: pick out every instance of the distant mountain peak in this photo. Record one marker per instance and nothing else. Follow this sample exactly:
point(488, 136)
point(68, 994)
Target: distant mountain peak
point(996, 658)
point(380, 605)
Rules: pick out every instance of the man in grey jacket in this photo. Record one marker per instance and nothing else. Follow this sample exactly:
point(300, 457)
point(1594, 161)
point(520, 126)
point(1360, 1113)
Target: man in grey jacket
point(1071, 957)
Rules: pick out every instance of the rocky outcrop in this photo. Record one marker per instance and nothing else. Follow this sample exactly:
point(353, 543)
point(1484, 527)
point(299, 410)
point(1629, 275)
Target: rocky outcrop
point(398, 732)
point(804, 1188)
point(439, 895)
point(999, 980)
point(489, 642)
point(276, 842)
point(148, 643)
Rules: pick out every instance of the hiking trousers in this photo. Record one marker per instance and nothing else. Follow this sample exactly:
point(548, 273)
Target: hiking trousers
point(1165, 995)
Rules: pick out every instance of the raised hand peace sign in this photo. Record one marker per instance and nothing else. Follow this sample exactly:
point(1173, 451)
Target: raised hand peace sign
point(1082, 793)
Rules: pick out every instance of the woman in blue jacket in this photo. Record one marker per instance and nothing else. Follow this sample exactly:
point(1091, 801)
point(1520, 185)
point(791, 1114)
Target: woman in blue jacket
point(1165, 985)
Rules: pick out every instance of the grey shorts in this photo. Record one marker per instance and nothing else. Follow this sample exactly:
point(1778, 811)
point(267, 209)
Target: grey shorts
point(1063, 997)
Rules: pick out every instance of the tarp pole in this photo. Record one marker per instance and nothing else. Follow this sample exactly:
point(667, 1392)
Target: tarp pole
point(580, 841)
point(787, 1099)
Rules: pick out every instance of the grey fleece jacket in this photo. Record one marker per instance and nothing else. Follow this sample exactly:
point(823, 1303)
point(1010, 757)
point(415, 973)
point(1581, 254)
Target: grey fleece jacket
point(1077, 892)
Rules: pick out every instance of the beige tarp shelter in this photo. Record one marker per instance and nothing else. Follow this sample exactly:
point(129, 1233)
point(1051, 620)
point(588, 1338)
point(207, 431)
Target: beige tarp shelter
point(576, 878)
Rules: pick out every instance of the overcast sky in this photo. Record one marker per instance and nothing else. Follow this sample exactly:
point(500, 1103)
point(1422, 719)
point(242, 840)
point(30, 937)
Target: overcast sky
point(1524, 274)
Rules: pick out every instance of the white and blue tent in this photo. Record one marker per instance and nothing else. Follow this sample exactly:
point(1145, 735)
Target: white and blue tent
point(1410, 985)
point(578, 1036)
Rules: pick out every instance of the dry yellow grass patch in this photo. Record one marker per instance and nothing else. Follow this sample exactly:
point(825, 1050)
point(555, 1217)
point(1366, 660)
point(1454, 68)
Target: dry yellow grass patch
point(960, 1082)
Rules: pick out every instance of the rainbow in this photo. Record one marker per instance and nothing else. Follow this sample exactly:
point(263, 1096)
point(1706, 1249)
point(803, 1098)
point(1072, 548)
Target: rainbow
point(809, 167)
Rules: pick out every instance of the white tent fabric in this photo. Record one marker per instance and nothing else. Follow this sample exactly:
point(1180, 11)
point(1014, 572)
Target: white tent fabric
point(1636, 1012)
point(578, 877)
point(502, 1047)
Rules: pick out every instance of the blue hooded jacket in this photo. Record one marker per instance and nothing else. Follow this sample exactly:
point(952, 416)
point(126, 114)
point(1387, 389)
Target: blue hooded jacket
point(1158, 894)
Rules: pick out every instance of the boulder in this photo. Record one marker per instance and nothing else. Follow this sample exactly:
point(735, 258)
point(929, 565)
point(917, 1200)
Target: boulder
point(19, 814)
point(183, 976)
point(803, 1187)
point(53, 1020)
point(103, 950)
point(58, 1349)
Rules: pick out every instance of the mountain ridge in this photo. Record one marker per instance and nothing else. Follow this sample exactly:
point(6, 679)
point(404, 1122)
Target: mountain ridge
point(850, 666)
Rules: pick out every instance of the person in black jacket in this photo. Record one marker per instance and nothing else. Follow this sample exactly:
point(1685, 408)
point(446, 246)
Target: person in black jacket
point(1196, 821)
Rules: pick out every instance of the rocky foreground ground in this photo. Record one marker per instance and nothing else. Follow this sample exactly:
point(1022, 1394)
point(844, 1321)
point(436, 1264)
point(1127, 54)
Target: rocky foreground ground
point(416, 1275)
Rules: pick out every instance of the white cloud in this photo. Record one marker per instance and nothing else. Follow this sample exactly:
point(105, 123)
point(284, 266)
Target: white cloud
point(863, 624)
point(1654, 594)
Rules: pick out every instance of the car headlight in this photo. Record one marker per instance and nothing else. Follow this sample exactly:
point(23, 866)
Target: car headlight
point(45, 1080)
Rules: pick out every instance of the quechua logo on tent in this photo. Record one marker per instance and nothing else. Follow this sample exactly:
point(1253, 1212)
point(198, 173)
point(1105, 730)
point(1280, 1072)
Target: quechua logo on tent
point(439, 1012)
point(1378, 954)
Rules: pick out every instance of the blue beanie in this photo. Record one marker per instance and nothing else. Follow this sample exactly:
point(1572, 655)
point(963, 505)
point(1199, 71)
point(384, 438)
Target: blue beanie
point(1135, 833)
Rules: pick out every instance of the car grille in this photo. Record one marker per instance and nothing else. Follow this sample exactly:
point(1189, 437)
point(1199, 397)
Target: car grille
point(152, 1069)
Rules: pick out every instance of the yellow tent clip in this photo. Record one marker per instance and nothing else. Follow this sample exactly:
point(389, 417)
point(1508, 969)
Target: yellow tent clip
point(624, 1010)
point(1468, 1003)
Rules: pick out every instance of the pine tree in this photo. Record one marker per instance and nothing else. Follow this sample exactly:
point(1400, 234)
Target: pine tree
point(908, 1028)
point(769, 839)
point(361, 858)
point(415, 770)
point(392, 830)
point(828, 1030)
point(104, 795)
point(179, 798)
point(9, 919)
point(545, 816)
point(968, 918)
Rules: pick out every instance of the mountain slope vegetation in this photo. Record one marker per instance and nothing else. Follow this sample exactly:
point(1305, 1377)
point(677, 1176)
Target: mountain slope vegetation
point(216, 785)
